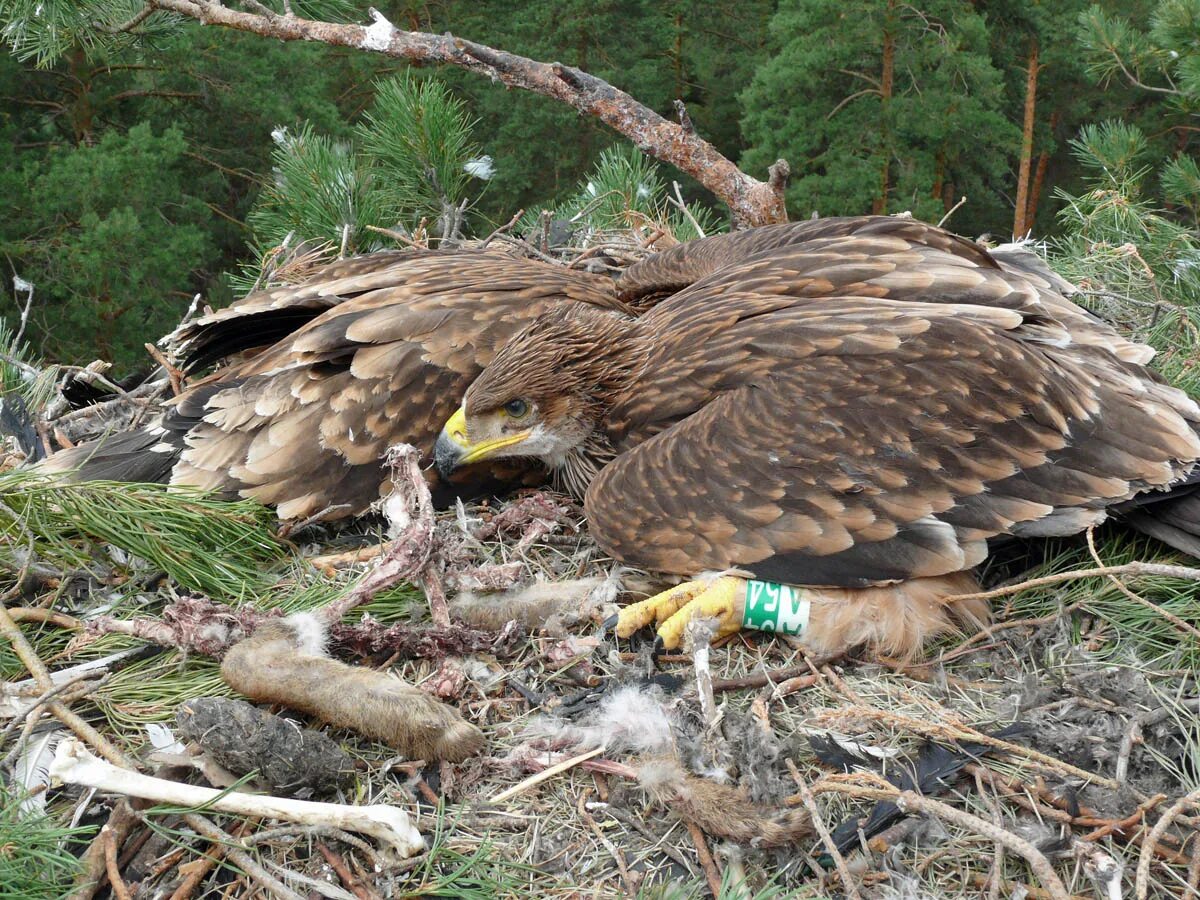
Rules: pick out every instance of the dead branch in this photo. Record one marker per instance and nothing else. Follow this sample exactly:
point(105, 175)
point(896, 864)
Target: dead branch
point(752, 202)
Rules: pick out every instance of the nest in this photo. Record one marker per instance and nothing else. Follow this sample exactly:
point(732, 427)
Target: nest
point(1049, 754)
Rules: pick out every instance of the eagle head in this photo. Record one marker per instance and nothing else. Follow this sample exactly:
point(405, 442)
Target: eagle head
point(545, 394)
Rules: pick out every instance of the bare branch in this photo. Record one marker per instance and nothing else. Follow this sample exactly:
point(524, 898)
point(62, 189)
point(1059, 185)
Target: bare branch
point(752, 202)
point(138, 18)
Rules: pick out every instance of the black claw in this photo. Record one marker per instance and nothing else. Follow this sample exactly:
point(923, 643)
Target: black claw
point(611, 622)
point(659, 647)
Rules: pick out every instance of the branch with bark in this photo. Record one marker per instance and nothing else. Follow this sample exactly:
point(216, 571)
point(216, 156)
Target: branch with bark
point(752, 202)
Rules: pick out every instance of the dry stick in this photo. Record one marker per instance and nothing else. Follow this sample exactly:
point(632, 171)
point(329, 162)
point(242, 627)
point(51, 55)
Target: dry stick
point(48, 616)
point(958, 733)
point(910, 802)
point(712, 874)
point(38, 702)
point(503, 228)
point(1179, 623)
point(357, 887)
point(34, 665)
point(1014, 889)
point(240, 858)
point(1142, 882)
point(196, 871)
point(761, 679)
point(395, 235)
point(1128, 822)
point(814, 812)
point(614, 852)
point(93, 869)
point(545, 774)
point(173, 373)
point(109, 839)
point(752, 202)
point(1134, 733)
point(1134, 568)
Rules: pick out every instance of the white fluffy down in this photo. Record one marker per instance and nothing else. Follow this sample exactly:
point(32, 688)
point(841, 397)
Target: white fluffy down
point(311, 633)
point(631, 719)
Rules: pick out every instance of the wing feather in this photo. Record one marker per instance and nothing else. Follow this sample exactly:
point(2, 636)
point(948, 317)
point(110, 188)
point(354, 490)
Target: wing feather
point(819, 457)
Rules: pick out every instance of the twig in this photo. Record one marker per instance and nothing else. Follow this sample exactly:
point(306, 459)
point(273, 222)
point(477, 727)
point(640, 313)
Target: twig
point(961, 733)
point(503, 228)
point(912, 802)
point(1179, 623)
point(35, 667)
point(196, 871)
point(761, 679)
point(173, 373)
point(810, 804)
point(357, 887)
point(1128, 822)
point(93, 862)
point(38, 702)
point(711, 873)
point(678, 201)
point(1134, 733)
point(119, 888)
point(20, 284)
point(1134, 568)
point(522, 786)
point(395, 235)
point(951, 211)
point(1142, 882)
point(613, 851)
point(240, 858)
point(137, 19)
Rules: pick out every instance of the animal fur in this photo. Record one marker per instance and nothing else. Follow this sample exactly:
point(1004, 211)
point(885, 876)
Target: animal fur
point(284, 662)
point(542, 604)
point(722, 811)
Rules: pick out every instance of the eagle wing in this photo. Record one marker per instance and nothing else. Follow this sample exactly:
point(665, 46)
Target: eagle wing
point(264, 317)
point(884, 257)
point(305, 423)
point(856, 441)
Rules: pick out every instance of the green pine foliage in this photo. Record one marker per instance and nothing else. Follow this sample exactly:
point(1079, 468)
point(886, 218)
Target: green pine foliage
point(419, 140)
point(323, 191)
point(35, 861)
point(626, 189)
point(219, 547)
point(854, 146)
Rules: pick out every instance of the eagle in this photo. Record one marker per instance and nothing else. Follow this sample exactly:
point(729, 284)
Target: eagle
point(323, 376)
point(824, 426)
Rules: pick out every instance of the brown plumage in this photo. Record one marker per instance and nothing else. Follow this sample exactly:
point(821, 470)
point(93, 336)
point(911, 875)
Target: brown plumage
point(326, 375)
point(840, 403)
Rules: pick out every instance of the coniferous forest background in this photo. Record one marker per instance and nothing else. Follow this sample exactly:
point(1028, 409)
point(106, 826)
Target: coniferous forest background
point(138, 174)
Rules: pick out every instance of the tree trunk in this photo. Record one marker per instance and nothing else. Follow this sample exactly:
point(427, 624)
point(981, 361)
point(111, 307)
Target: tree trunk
point(1021, 223)
point(1039, 178)
point(886, 81)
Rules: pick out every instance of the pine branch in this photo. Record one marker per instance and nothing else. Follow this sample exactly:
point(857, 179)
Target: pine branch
point(752, 202)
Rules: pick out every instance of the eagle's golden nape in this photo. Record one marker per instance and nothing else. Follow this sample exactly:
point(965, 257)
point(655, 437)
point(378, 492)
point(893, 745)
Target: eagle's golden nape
point(853, 408)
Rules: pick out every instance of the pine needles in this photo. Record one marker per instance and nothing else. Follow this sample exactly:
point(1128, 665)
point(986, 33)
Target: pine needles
point(35, 863)
point(214, 546)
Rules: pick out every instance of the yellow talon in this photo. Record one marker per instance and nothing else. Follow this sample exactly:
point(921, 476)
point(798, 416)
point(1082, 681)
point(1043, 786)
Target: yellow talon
point(720, 598)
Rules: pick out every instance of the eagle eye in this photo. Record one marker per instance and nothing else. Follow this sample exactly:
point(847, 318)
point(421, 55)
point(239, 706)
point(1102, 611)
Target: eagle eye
point(516, 409)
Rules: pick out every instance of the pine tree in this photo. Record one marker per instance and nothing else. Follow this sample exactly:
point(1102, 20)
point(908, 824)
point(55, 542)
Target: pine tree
point(1161, 59)
point(882, 106)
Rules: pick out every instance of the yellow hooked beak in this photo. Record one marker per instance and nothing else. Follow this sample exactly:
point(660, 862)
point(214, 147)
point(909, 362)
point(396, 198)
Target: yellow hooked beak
point(453, 449)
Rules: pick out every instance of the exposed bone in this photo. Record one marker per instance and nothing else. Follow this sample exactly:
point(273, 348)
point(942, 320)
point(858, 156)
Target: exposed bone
point(75, 764)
